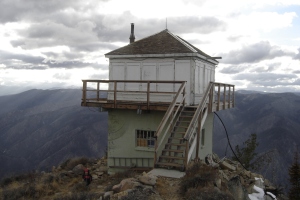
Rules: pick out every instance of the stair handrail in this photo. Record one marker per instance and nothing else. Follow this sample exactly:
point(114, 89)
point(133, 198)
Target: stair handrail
point(199, 109)
point(166, 117)
point(170, 109)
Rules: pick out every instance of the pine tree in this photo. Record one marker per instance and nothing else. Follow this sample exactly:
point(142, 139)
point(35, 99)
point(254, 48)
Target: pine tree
point(294, 172)
point(247, 153)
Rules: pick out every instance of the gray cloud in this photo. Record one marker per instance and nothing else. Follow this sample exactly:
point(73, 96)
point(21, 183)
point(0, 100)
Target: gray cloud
point(233, 69)
point(99, 76)
point(267, 79)
point(35, 10)
point(296, 72)
point(234, 38)
point(204, 25)
point(297, 56)
point(254, 53)
point(21, 61)
point(62, 76)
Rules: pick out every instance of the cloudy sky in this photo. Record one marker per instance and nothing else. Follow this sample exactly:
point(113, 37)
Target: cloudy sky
point(54, 43)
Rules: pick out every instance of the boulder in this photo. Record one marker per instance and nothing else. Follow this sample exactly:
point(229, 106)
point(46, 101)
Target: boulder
point(78, 169)
point(147, 179)
point(95, 177)
point(226, 165)
point(125, 184)
point(237, 189)
point(108, 195)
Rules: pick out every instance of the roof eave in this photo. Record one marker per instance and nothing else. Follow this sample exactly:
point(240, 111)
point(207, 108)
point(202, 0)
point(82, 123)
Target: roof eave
point(165, 56)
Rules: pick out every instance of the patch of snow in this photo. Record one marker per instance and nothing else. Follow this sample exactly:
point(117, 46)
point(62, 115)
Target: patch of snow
point(272, 195)
point(259, 195)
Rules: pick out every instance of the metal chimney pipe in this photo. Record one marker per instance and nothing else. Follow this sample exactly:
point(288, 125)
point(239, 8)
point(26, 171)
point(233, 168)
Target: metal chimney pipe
point(132, 37)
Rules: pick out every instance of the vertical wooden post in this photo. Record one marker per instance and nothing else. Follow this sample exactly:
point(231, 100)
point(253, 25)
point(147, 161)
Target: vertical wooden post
point(98, 92)
point(198, 134)
point(211, 99)
point(186, 153)
point(84, 92)
point(155, 152)
point(233, 97)
point(219, 96)
point(229, 97)
point(148, 94)
point(183, 94)
point(115, 94)
point(224, 97)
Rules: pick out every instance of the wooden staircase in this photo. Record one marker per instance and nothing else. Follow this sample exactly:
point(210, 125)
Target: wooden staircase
point(173, 154)
point(178, 134)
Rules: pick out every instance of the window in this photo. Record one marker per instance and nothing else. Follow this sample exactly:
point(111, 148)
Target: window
point(145, 138)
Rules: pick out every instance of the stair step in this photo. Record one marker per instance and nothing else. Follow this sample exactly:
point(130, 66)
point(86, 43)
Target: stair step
point(183, 121)
point(173, 150)
point(180, 132)
point(169, 164)
point(175, 144)
point(181, 126)
point(186, 116)
point(172, 157)
point(176, 138)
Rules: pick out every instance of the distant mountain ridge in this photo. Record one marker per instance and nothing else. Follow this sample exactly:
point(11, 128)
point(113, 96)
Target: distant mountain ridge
point(274, 117)
point(42, 128)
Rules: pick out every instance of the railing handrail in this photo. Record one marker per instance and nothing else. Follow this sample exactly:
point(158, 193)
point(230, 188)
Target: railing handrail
point(169, 110)
point(200, 107)
point(113, 88)
point(131, 81)
point(167, 115)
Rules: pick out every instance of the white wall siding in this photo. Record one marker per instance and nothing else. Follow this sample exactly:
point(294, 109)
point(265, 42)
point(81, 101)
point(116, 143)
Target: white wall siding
point(197, 74)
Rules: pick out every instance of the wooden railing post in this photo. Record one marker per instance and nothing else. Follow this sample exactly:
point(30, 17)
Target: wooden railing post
point(183, 94)
point(224, 97)
point(210, 100)
point(198, 134)
point(148, 94)
point(233, 97)
point(115, 94)
point(219, 96)
point(98, 92)
point(229, 97)
point(186, 153)
point(84, 92)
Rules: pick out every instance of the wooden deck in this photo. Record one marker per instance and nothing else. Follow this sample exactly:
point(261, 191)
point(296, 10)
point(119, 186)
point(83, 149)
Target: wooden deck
point(127, 105)
point(112, 97)
point(148, 97)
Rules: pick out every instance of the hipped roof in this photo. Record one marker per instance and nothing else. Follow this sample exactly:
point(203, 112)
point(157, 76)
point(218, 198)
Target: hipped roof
point(163, 42)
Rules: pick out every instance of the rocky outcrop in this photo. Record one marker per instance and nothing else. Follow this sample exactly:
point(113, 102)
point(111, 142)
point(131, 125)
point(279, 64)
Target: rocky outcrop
point(241, 183)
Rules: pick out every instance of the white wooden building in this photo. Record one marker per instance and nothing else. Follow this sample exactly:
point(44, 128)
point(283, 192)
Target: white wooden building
point(160, 100)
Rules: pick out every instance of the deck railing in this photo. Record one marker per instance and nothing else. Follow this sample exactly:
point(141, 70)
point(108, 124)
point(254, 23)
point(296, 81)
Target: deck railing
point(93, 91)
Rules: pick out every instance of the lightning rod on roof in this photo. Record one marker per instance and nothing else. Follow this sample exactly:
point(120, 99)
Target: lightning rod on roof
point(166, 23)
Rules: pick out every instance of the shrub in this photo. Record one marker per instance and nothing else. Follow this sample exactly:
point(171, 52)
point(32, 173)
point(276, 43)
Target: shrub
point(207, 194)
point(137, 194)
point(198, 176)
point(79, 196)
point(26, 177)
point(27, 192)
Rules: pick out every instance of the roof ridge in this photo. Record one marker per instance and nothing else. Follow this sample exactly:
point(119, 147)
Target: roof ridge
point(198, 50)
point(188, 45)
point(148, 36)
